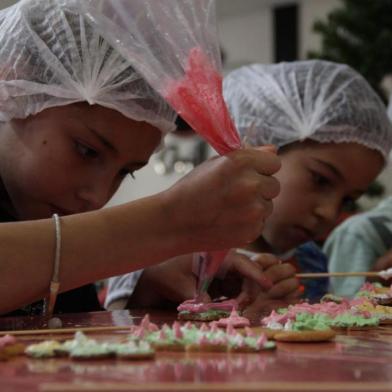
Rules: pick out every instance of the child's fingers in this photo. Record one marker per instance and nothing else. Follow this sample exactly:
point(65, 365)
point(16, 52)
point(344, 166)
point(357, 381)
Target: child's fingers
point(268, 148)
point(260, 159)
point(384, 262)
point(243, 299)
point(284, 288)
point(280, 272)
point(265, 260)
point(251, 270)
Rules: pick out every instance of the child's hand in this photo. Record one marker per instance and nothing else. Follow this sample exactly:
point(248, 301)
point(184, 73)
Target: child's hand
point(383, 263)
point(285, 288)
point(242, 284)
point(170, 281)
point(174, 281)
point(223, 202)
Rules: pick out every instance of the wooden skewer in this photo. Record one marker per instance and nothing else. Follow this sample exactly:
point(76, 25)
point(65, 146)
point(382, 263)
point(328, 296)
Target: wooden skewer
point(312, 275)
point(65, 330)
point(315, 275)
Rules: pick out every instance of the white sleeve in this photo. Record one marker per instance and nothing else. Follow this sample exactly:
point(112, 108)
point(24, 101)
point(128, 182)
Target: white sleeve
point(122, 286)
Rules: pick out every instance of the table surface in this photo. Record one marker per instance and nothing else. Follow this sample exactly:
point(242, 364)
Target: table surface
point(355, 361)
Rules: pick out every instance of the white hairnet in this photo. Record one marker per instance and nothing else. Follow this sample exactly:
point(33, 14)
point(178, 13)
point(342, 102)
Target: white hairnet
point(319, 100)
point(51, 55)
point(177, 51)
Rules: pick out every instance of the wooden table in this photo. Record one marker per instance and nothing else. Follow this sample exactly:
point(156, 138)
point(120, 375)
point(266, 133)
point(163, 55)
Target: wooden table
point(356, 361)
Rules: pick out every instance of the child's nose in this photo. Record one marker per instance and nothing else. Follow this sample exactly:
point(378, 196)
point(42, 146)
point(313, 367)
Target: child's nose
point(327, 210)
point(94, 196)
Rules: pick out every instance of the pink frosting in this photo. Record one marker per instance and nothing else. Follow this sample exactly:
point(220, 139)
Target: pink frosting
point(203, 340)
point(7, 340)
point(188, 325)
point(249, 332)
point(177, 330)
point(235, 320)
point(230, 331)
point(198, 307)
point(139, 333)
point(147, 325)
point(262, 340)
point(367, 286)
point(330, 309)
point(162, 334)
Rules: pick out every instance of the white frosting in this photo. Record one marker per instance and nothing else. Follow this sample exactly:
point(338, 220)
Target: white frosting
point(274, 325)
point(44, 349)
point(386, 274)
point(288, 326)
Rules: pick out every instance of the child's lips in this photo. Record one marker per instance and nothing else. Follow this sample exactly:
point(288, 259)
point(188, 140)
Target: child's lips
point(303, 234)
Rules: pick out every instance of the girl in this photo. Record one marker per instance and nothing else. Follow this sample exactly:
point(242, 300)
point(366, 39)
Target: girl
point(333, 138)
point(76, 118)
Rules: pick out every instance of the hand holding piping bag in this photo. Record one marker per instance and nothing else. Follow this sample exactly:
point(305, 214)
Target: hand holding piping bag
point(207, 264)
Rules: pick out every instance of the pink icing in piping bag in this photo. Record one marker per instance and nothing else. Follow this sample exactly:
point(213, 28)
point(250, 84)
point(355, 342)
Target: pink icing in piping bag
point(198, 98)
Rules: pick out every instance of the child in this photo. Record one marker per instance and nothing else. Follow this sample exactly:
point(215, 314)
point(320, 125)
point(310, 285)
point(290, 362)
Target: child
point(360, 243)
point(76, 119)
point(333, 138)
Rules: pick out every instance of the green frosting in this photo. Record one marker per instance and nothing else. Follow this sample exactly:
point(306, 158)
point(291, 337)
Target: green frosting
point(346, 320)
point(210, 313)
point(307, 321)
point(363, 293)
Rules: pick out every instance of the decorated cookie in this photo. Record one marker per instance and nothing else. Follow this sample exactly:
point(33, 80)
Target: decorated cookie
point(46, 349)
point(234, 319)
point(194, 311)
point(205, 338)
point(10, 347)
point(133, 350)
point(305, 336)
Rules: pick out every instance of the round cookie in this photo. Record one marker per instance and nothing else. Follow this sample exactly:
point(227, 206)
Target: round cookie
point(304, 336)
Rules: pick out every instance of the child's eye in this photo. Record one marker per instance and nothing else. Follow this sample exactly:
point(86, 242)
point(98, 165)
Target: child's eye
point(319, 179)
point(85, 150)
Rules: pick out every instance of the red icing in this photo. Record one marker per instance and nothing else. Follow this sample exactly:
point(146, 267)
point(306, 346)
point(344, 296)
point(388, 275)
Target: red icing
point(199, 307)
point(198, 98)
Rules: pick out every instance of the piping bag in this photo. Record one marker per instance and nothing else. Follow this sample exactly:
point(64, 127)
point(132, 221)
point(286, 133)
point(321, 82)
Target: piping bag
point(174, 45)
point(198, 98)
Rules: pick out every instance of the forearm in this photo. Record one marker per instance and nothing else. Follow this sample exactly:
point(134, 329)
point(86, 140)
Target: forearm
point(94, 246)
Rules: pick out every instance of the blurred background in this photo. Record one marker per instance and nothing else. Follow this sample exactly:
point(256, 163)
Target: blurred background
point(356, 32)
